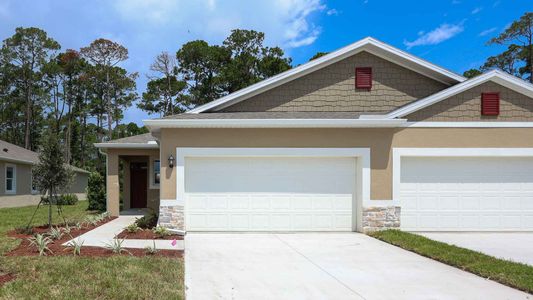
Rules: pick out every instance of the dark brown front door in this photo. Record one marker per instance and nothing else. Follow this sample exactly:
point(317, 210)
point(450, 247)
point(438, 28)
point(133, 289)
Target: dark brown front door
point(138, 181)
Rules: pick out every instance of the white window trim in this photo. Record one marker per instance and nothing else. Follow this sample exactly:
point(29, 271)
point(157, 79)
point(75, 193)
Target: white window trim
point(14, 184)
point(398, 153)
point(362, 156)
point(152, 185)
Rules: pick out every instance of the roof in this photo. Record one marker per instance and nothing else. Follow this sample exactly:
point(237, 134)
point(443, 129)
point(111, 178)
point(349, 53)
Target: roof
point(145, 140)
point(496, 76)
point(13, 153)
point(368, 44)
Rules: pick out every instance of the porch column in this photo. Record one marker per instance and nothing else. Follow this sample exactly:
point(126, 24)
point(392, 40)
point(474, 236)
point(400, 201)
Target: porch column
point(112, 186)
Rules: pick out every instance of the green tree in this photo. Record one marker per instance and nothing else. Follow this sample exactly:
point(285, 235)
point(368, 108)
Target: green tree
point(28, 50)
point(317, 55)
point(52, 176)
point(164, 92)
point(105, 55)
point(96, 193)
point(472, 73)
point(506, 61)
point(519, 36)
point(130, 129)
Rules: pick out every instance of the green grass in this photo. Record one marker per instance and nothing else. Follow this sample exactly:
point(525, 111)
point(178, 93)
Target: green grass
point(513, 274)
point(68, 277)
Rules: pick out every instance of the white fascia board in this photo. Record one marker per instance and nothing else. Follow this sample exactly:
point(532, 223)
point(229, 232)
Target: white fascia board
point(127, 145)
point(14, 160)
point(501, 124)
point(271, 123)
point(367, 44)
point(496, 76)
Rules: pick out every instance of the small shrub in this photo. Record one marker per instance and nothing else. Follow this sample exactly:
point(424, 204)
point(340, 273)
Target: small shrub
point(92, 220)
point(55, 233)
point(24, 230)
point(133, 228)
point(116, 246)
point(75, 245)
point(161, 231)
point(151, 250)
point(65, 199)
point(78, 225)
point(147, 222)
point(96, 193)
point(41, 242)
point(67, 229)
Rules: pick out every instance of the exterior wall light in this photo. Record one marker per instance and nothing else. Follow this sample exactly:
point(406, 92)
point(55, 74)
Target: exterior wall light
point(171, 161)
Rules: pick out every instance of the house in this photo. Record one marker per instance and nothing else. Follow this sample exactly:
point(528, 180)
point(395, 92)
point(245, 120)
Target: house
point(364, 138)
point(16, 184)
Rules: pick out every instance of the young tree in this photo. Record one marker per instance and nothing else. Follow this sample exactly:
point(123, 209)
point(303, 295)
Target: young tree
point(52, 176)
point(28, 50)
point(520, 37)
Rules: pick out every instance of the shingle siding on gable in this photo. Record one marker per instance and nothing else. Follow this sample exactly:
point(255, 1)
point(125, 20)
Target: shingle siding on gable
point(466, 106)
point(333, 89)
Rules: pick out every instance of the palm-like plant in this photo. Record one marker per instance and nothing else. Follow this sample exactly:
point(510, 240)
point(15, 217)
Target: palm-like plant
point(41, 242)
point(116, 246)
point(75, 245)
point(55, 233)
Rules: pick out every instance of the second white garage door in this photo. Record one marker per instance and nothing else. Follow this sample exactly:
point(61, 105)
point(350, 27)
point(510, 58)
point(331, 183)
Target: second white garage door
point(269, 194)
point(466, 193)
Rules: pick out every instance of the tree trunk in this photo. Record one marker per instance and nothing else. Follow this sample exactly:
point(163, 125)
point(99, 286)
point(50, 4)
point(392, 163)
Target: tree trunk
point(27, 119)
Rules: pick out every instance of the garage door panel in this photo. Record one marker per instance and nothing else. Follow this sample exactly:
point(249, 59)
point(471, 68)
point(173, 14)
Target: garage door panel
point(275, 194)
point(466, 193)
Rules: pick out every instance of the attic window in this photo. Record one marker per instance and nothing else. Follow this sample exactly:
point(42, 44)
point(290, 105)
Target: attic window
point(363, 78)
point(490, 104)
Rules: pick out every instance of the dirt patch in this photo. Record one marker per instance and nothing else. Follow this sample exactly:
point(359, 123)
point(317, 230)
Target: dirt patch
point(147, 234)
point(56, 248)
point(5, 278)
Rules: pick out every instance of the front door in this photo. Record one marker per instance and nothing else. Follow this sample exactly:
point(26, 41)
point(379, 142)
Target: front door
point(138, 184)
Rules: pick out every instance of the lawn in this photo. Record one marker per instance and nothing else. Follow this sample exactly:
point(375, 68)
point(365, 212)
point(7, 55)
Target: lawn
point(69, 277)
point(513, 274)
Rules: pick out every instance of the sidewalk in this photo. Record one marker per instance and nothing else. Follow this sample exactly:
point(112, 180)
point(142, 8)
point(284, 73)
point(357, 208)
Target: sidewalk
point(103, 235)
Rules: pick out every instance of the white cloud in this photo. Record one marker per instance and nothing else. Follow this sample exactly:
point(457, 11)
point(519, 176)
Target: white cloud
point(332, 12)
point(476, 10)
point(488, 31)
point(285, 23)
point(436, 36)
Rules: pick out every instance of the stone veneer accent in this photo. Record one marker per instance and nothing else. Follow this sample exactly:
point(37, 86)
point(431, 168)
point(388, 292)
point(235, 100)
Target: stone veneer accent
point(380, 218)
point(172, 217)
point(332, 88)
point(466, 106)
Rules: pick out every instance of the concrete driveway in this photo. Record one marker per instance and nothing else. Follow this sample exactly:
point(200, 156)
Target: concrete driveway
point(515, 246)
point(322, 266)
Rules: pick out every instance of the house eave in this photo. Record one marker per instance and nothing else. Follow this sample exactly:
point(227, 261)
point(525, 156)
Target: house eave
point(126, 146)
point(155, 125)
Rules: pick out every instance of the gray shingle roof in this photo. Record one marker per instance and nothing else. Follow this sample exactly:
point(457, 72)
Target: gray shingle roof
point(13, 152)
point(268, 115)
point(136, 139)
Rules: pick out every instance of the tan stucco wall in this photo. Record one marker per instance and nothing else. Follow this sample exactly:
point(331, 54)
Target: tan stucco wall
point(381, 142)
point(112, 179)
point(466, 106)
point(333, 89)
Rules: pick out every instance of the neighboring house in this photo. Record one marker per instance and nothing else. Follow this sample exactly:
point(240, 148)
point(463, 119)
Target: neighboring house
point(364, 138)
point(16, 184)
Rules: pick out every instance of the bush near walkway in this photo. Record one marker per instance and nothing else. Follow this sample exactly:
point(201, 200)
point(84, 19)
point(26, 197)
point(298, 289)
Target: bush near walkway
point(516, 275)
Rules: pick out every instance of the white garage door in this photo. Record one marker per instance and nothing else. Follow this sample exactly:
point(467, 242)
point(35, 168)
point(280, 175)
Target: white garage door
point(269, 194)
point(465, 193)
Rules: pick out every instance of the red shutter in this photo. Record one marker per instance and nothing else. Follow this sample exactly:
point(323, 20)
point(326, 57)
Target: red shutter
point(363, 78)
point(490, 104)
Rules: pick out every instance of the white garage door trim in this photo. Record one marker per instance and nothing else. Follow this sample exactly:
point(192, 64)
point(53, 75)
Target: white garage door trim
point(362, 156)
point(398, 153)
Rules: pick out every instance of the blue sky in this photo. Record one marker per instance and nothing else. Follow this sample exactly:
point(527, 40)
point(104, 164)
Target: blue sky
point(450, 33)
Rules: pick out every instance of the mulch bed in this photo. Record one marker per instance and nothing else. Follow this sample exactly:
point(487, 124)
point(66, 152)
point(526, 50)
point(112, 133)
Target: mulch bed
point(26, 249)
point(6, 278)
point(147, 234)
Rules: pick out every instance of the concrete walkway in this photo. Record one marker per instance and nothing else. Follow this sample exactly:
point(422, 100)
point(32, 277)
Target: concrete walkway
point(103, 235)
point(514, 246)
point(322, 266)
